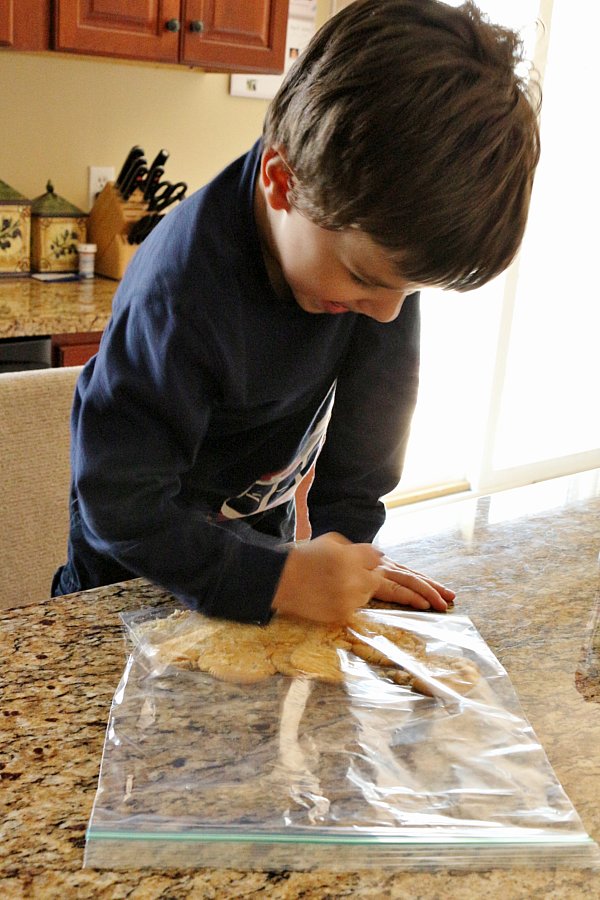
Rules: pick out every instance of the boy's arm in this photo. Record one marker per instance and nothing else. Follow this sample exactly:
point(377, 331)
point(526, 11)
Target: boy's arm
point(139, 420)
point(366, 443)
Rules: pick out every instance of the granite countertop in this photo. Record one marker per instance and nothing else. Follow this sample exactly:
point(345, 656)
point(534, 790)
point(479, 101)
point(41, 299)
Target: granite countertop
point(29, 307)
point(525, 566)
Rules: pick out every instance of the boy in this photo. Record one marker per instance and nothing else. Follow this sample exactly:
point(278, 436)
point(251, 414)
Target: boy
point(272, 320)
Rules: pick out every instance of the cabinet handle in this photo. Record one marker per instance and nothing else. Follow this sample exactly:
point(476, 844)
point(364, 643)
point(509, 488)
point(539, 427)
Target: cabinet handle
point(173, 25)
point(196, 26)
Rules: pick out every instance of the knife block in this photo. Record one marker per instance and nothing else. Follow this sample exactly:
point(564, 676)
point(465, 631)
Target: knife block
point(109, 222)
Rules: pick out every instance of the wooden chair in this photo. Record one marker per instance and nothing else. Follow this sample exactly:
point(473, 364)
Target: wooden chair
point(35, 411)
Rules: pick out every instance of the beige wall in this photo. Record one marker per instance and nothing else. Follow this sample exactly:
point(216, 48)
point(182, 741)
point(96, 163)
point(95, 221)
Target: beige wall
point(60, 114)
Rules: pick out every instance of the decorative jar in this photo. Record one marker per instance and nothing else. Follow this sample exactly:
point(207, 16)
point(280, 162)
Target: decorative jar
point(15, 222)
point(57, 227)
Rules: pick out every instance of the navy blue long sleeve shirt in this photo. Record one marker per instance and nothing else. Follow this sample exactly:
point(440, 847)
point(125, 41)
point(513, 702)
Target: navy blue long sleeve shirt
point(211, 397)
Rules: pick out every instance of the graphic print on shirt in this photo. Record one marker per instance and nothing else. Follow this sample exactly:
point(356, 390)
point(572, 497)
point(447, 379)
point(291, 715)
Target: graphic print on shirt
point(275, 488)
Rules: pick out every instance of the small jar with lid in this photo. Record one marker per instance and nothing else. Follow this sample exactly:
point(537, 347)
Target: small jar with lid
point(57, 227)
point(15, 222)
point(87, 257)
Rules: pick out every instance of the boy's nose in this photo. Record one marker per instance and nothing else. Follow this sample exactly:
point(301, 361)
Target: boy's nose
point(383, 310)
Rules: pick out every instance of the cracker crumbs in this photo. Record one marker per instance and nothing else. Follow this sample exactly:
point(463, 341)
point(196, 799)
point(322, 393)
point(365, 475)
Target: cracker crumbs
point(244, 653)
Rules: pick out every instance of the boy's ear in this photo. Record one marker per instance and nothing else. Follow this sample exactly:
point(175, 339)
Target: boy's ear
point(276, 179)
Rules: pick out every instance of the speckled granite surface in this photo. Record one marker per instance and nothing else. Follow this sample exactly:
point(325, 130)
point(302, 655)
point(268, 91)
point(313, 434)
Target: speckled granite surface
point(29, 307)
point(526, 571)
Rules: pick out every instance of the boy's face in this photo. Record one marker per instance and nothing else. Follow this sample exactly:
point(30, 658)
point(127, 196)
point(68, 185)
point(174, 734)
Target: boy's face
point(328, 272)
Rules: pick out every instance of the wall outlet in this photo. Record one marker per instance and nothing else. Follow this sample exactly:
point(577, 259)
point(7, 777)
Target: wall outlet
point(99, 176)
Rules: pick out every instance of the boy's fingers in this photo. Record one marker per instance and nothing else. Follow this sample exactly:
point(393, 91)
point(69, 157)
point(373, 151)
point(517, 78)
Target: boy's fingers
point(371, 557)
point(391, 592)
point(393, 568)
point(409, 589)
point(365, 555)
point(368, 572)
point(446, 592)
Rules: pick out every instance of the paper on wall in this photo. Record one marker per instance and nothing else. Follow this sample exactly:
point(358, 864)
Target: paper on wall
point(301, 27)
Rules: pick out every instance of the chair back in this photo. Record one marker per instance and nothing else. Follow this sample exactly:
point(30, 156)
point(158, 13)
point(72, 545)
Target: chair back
point(35, 409)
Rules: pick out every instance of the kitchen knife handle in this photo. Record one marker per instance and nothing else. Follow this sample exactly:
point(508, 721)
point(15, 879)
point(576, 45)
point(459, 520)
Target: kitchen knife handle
point(152, 182)
point(159, 160)
point(131, 182)
point(139, 182)
point(134, 154)
point(142, 228)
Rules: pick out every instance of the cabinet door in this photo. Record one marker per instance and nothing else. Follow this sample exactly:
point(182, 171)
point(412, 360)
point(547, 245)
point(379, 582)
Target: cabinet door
point(74, 349)
point(233, 36)
point(138, 29)
point(25, 24)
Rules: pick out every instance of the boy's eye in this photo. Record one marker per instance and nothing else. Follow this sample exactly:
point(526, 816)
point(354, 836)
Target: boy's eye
point(358, 280)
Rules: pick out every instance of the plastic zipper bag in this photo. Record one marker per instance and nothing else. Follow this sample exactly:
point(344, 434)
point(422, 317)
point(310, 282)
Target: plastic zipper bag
point(413, 752)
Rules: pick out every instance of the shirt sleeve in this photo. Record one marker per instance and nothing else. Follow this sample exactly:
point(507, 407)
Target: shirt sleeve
point(364, 451)
point(142, 411)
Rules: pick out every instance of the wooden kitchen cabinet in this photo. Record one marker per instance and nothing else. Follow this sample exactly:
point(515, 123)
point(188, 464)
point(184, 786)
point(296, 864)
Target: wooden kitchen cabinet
point(74, 349)
point(138, 29)
point(244, 37)
point(222, 35)
point(25, 24)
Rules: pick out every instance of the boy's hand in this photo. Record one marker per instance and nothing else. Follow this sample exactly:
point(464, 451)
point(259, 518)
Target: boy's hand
point(328, 578)
point(406, 587)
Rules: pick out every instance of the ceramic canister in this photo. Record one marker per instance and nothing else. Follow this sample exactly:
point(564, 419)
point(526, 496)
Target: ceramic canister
point(15, 222)
point(57, 227)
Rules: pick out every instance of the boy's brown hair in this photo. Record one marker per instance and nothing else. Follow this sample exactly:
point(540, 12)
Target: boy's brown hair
point(406, 119)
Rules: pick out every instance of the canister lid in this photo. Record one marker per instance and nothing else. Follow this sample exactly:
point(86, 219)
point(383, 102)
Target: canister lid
point(86, 248)
point(9, 195)
point(50, 204)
